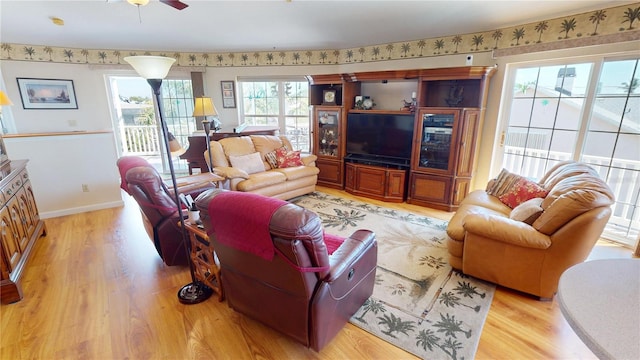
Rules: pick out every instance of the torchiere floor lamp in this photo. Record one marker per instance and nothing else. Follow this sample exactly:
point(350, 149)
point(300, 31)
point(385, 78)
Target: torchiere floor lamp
point(154, 69)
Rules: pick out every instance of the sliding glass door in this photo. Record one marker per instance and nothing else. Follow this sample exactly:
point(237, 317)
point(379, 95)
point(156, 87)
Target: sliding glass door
point(135, 112)
point(586, 111)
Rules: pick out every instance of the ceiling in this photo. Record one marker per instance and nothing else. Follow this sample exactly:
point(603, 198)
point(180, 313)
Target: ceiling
point(265, 25)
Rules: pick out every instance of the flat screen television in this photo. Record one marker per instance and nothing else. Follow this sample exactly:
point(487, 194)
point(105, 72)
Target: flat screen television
point(378, 136)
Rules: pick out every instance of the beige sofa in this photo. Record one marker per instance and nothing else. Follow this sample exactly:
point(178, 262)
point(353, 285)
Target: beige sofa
point(529, 251)
point(236, 158)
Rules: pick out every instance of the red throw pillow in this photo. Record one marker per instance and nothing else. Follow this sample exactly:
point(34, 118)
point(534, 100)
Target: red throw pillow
point(522, 191)
point(288, 158)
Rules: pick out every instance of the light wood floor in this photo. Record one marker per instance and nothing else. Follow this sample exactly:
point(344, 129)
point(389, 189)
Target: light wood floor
point(95, 289)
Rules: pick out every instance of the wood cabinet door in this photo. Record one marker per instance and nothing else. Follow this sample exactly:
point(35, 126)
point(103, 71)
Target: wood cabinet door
point(396, 183)
point(460, 190)
point(17, 222)
point(330, 172)
point(349, 177)
point(430, 188)
point(327, 134)
point(26, 217)
point(9, 238)
point(468, 137)
point(370, 180)
point(435, 141)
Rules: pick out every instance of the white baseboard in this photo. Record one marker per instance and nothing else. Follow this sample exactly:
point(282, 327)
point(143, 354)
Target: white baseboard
point(77, 210)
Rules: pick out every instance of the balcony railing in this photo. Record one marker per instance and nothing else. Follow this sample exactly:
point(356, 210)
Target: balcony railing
point(140, 140)
point(623, 176)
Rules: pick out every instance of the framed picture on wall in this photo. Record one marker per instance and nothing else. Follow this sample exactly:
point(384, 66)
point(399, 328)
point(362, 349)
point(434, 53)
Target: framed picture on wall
point(228, 94)
point(47, 93)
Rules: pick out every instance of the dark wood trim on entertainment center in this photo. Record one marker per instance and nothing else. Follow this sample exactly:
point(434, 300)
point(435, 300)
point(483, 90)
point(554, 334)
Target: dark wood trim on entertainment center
point(459, 94)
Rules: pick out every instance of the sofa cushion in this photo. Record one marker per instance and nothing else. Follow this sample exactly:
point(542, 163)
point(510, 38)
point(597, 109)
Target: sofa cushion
point(481, 198)
point(287, 158)
point(251, 163)
point(297, 172)
point(261, 180)
point(522, 191)
point(237, 146)
point(267, 143)
point(570, 205)
point(528, 211)
point(564, 170)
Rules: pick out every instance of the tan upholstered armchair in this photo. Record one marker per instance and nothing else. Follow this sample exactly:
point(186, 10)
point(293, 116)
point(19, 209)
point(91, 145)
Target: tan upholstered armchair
point(491, 241)
point(278, 266)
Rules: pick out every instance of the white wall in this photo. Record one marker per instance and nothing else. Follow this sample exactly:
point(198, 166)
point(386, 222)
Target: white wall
point(59, 165)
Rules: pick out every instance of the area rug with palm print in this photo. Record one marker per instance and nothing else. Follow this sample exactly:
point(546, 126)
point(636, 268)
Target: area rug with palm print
point(419, 302)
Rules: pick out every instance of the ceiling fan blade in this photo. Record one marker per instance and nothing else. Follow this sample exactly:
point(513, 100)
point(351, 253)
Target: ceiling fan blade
point(176, 4)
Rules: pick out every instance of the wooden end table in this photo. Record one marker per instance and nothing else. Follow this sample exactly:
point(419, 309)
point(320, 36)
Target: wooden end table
point(203, 257)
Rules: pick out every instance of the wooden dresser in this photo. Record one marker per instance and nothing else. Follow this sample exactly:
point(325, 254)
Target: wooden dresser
point(21, 227)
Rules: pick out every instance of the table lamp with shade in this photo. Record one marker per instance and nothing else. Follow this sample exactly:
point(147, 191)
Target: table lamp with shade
point(203, 107)
point(154, 69)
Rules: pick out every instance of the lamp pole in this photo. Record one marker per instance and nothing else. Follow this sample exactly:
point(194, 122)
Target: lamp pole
point(206, 124)
point(194, 292)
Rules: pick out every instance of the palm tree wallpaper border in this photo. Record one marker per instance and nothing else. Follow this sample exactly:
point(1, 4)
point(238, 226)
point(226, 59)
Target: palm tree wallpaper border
point(610, 25)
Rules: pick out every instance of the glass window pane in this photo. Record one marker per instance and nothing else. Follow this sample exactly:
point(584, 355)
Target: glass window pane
point(631, 117)
point(563, 142)
point(616, 77)
point(520, 112)
point(599, 144)
point(550, 80)
point(525, 82)
point(628, 148)
point(606, 114)
point(544, 112)
point(569, 113)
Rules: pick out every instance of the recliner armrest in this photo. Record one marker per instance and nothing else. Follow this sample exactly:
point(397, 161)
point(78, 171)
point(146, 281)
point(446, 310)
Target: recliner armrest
point(351, 250)
point(506, 230)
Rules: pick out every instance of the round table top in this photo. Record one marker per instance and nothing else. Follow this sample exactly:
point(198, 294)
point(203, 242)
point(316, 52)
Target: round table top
point(601, 301)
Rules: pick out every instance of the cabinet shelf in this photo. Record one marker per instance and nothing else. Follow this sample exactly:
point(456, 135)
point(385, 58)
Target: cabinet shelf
point(379, 111)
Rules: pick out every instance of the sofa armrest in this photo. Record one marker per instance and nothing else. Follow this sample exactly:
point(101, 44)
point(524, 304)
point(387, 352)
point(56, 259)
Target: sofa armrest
point(506, 230)
point(308, 159)
point(230, 172)
point(350, 251)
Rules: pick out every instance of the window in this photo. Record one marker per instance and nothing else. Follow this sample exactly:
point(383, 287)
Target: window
point(177, 98)
point(283, 103)
point(586, 111)
point(135, 110)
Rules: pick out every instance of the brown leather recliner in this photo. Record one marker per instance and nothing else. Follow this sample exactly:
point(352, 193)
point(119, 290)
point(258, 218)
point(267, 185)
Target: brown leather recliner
point(297, 288)
point(157, 206)
point(486, 241)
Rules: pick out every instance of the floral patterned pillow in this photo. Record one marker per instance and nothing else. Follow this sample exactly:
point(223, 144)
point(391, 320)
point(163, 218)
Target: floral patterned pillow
point(288, 158)
point(521, 191)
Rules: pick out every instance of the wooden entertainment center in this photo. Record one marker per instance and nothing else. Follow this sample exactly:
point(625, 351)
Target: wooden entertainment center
point(448, 114)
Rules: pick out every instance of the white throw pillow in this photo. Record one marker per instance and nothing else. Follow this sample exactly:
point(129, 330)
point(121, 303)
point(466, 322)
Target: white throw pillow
point(251, 163)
